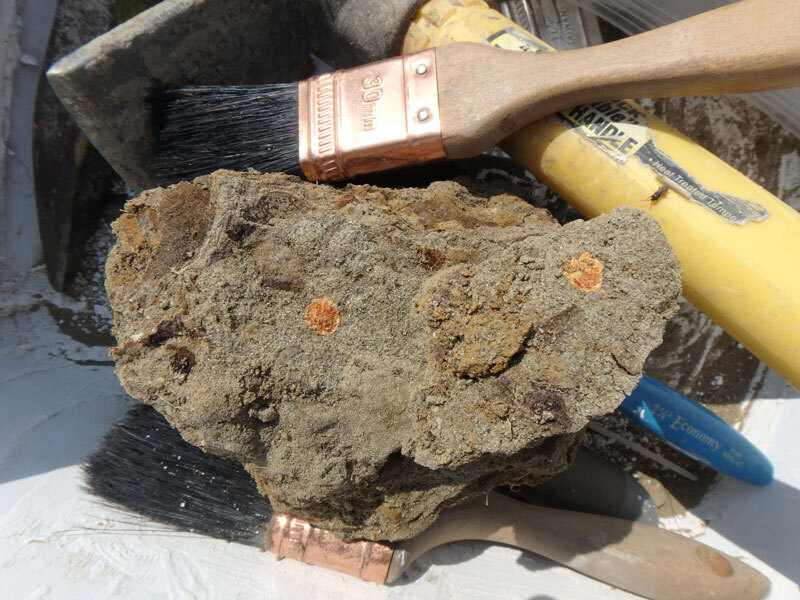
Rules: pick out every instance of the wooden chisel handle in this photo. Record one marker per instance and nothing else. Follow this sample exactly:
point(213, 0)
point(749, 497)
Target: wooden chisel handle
point(747, 46)
point(645, 560)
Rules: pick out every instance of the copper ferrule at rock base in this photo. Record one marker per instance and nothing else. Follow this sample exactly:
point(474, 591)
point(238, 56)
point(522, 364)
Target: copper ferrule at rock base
point(371, 118)
point(289, 537)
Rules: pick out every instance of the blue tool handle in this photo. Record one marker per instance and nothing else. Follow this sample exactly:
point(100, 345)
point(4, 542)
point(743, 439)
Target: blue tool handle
point(696, 431)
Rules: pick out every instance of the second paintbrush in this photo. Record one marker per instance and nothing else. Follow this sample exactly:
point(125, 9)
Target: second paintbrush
point(458, 100)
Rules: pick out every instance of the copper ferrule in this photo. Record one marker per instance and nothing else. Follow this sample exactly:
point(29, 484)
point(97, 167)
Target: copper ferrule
point(289, 537)
point(371, 118)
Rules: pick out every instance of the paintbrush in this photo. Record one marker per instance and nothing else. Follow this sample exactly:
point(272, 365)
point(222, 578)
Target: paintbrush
point(458, 100)
point(145, 466)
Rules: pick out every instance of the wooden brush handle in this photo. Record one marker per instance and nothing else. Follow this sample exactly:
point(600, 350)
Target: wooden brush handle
point(486, 94)
point(645, 560)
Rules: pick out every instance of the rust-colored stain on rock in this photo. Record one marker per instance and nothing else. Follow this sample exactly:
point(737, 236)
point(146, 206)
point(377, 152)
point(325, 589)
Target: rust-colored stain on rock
point(456, 367)
point(322, 316)
point(586, 272)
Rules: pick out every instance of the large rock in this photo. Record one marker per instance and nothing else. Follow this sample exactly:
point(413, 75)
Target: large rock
point(374, 355)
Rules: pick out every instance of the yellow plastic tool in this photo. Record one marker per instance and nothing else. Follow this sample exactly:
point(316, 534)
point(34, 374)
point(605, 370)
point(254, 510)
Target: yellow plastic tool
point(739, 245)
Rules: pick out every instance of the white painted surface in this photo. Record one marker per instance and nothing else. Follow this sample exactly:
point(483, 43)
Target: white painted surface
point(24, 32)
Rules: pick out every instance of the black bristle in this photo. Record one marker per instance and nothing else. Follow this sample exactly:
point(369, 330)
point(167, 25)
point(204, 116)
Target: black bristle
point(145, 466)
point(205, 128)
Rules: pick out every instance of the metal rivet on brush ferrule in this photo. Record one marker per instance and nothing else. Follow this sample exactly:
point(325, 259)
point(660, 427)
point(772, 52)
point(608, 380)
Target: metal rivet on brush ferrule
point(371, 118)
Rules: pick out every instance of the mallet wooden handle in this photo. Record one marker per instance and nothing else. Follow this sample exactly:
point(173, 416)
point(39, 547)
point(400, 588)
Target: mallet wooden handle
point(645, 560)
point(486, 94)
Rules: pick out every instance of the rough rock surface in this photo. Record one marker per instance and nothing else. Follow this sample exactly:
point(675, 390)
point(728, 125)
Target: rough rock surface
point(374, 355)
